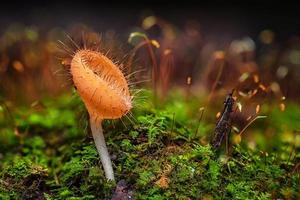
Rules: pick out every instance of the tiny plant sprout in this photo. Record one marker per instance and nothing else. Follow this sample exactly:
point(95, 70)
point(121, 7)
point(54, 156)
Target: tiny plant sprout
point(105, 93)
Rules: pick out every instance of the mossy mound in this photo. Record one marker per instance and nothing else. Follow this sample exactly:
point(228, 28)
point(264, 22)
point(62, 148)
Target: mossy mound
point(159, 155)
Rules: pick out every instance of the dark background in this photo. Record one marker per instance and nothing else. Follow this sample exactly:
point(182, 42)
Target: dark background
point(235, 18)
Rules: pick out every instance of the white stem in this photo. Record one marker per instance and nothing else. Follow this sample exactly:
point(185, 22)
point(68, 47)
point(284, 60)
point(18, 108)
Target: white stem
point(102, 149)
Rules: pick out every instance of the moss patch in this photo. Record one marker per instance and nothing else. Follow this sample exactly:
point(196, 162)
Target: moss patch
point(53, 157)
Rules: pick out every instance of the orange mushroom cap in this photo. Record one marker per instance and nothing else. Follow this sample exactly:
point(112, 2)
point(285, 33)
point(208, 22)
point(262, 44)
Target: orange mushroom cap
point(101, 85)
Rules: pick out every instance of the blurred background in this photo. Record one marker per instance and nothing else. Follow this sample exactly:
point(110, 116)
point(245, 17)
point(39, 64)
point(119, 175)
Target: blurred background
point(203, 50)
point(190, 42)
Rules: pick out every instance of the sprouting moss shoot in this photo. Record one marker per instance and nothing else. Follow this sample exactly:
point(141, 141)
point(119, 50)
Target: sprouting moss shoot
point(105, 93)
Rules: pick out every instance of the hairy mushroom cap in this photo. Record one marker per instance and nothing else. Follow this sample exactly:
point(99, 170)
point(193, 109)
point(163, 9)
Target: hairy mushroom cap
point(101, 85)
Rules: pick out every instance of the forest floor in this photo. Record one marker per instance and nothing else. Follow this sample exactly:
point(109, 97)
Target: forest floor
point(162, 152)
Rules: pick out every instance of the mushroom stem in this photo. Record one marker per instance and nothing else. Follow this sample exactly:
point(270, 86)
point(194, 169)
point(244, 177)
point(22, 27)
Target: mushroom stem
point(99, 139)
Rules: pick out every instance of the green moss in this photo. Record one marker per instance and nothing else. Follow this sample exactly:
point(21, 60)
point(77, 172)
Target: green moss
point(159, 155)
point(22, 178)
point(8, 139)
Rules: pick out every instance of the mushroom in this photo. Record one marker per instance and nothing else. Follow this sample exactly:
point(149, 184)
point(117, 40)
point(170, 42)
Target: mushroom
point(105, 93)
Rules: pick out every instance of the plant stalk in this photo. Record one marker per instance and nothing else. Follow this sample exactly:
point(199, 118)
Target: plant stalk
point(99, 139)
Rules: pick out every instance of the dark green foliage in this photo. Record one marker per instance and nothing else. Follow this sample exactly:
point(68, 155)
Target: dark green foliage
point(24, 176)
point(159, 156)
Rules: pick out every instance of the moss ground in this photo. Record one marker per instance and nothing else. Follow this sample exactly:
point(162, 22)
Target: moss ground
point(47, 152)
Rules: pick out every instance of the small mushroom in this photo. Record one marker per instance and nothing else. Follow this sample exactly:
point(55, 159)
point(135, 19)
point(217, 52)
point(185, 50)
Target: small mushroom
point(105, 93)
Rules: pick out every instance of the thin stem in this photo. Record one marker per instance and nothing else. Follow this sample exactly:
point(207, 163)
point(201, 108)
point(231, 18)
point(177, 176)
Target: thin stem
point(220, 71)
point(257, 117)
point(99, 139)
